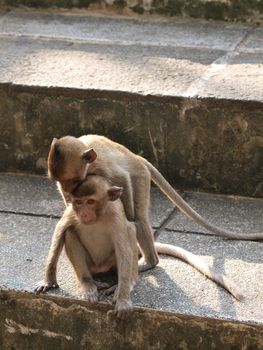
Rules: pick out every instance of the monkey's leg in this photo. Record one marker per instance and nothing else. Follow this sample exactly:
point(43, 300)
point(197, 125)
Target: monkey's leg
point(80, 261)
point(132, 233)
point(124, 181)
point(141, 191)
point(57, 243)
point(132, 242)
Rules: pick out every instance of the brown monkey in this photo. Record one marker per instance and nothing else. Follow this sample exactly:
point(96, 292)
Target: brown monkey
point(98, 236)
point(71, 159)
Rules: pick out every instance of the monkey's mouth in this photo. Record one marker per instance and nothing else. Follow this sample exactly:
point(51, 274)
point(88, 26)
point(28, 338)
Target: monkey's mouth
point(88, 221)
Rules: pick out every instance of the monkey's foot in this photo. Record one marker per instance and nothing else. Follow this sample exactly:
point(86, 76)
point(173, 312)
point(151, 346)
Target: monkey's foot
point(144, 265)
point(101, 285)
point(44, 286)
point(123, 308)
point(110, 290)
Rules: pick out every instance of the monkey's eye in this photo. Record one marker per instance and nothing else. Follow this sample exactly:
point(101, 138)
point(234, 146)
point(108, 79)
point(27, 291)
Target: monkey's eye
point(90, 201)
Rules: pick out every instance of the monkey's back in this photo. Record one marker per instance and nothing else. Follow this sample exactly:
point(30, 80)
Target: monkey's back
point(111, 153)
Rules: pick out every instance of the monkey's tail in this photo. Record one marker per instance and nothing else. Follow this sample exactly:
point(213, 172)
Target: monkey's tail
point(185, 208)
point(199, 265)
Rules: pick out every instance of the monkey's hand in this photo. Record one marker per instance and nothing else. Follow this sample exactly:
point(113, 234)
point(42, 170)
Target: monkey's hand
point(90, 292)
point(123, 308)
point(43, 286)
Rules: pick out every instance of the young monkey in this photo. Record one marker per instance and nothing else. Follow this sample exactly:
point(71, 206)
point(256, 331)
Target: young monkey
point(70, 159)
point(98, 236)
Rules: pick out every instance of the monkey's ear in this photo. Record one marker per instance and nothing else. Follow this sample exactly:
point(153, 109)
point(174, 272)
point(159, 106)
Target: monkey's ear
point(89, 155)
point(54, 141)
point(114, 193)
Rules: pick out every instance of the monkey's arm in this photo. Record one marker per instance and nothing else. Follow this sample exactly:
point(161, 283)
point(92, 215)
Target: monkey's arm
point(50, 274)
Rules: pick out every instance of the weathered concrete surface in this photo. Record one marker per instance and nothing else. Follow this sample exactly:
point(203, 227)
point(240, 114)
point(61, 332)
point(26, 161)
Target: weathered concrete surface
point(230, 10)
point(222, 213)
point(75, 325)
point(190, 310)
point(127, 31)
point(187, 96)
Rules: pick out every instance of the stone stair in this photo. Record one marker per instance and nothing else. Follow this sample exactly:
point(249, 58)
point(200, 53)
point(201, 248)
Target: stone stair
point(185, 94)
point(175, 306)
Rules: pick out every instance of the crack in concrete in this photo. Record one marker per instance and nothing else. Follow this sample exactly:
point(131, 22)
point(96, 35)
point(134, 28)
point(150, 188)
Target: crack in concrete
point(166, 220)
point(243, 40)
point(49, 216)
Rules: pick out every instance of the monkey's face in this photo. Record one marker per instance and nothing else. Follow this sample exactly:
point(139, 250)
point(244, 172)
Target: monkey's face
point(90, 199)
point(88, 209)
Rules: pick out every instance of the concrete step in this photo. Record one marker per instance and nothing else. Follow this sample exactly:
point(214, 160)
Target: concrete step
point(231, 10)
point(174, 304)
point(186, 95)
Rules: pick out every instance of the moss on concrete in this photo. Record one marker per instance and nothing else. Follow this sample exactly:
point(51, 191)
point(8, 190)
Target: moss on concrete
point(31, 322)
point(229, 10)
point(214, 146)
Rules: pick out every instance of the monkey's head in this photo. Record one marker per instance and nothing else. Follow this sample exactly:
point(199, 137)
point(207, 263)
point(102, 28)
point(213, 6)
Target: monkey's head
point(68, 162)
point(90, 198)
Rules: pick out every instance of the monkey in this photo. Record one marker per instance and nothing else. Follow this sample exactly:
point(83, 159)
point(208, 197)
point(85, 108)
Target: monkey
point(70, 159)
point(97, 237)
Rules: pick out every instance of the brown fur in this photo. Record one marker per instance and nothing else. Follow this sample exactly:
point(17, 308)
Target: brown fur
point(122, 167)
point(97, 237)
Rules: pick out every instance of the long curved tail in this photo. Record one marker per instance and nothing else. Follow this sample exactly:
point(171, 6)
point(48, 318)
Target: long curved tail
point(199, 265)
point(185, 208)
